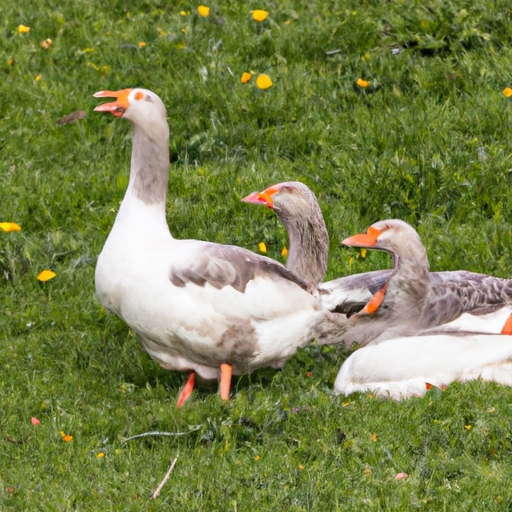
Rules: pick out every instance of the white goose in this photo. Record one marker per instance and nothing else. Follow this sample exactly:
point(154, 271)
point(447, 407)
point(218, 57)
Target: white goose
point(196, 306)
point(386, 304)
point(406, 367)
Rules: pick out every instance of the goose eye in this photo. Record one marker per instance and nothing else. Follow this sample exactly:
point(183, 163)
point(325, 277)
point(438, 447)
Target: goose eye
point(139, 95)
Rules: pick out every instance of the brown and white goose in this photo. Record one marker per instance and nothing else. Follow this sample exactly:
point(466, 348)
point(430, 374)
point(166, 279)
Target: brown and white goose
point(195, 306)
point(297, 208)
point(415, 300)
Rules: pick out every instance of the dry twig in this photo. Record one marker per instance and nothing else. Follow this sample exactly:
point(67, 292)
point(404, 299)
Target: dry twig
point(156, 433)
point(162, 483)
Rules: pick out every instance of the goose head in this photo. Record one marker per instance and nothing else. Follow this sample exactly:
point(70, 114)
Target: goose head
point(394, 236)
point(290, 199)
point(140, 106)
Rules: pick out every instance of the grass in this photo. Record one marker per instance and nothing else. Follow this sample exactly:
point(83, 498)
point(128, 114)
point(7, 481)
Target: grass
point(428, 141)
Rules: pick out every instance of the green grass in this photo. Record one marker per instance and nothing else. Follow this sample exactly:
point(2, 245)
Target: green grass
point(428, 141)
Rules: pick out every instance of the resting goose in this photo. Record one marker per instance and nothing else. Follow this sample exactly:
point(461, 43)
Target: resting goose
point(415, 300)
point(196, 306)
point(405, 367)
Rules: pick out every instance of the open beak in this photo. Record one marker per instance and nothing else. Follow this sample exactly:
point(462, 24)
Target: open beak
point(368, 239)
point(118, 107)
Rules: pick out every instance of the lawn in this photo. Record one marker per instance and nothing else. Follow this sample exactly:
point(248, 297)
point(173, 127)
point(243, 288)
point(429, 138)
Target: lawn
point(426, 139)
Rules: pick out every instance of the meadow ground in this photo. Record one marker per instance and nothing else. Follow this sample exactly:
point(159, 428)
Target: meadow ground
point(427, 140)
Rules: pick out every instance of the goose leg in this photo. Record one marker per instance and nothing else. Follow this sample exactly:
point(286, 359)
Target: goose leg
point(187, 389)
point(226, 370)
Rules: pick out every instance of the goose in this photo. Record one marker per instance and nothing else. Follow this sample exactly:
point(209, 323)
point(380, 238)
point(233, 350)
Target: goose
point(409, 366)
point(416, 299)
point(199, 307)
point(297, 208)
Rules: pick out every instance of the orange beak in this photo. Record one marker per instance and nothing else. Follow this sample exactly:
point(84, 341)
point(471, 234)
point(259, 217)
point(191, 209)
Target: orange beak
point(118, 108)
point(368, 239)
point(264, 197)
point(267, 194)
point(254, 198)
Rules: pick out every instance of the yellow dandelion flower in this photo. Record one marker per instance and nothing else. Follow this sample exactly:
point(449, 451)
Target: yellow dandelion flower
point(62, 433)
point(46, 43)
point(22, 29)
point(374, 437)
point(203, 11)
point(259, 15)
point(262, 247)
point(9, 226)
point(346, 404)
point(362, 83)
point(100, 455)
point(301, 466)
point(183, 13)
point(37, 78)
point(468, 427)
point(507, 92)
point(363, 253)
point(245, 78)
point(10, 62)
point(142, 44)
point(284, 252)
point(180, 46)
point(263, 82)
point(46, 275)
point(257, 457)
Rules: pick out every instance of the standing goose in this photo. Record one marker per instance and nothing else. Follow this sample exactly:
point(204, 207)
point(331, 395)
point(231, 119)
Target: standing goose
point(405, 367)
point(415, 298)
point(196, 306)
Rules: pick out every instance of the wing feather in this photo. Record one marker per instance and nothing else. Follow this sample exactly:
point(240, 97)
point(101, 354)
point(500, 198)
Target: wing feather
point(228, 265)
